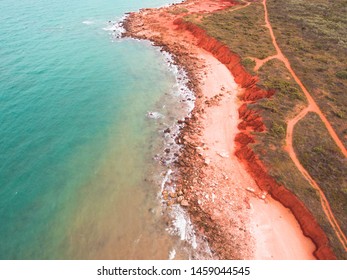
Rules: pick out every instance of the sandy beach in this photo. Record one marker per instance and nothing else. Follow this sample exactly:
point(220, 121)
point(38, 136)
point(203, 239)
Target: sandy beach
point(238, 219)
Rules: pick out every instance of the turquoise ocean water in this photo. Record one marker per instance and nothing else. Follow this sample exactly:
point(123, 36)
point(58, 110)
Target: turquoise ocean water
point(77, 175)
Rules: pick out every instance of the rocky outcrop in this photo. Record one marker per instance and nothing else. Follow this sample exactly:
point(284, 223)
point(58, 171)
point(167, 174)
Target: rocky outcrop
point(251, 121)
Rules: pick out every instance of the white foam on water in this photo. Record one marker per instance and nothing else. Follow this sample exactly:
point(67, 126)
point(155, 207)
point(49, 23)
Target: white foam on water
point(108, 28)
point(183, 226)
point(154, 115)
point(185, 97)
point(88, 22)
point(165, 180)
point(116, 27)
point(181, 88)
point(172, 254)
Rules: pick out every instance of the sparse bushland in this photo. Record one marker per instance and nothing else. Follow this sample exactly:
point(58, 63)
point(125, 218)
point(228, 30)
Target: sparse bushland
point(244, 33)
point(244, 29)
point(324, 161)
point(313, 35)
point(178, 11)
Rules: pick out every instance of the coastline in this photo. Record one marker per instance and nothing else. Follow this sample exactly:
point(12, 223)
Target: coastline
point(224, 201)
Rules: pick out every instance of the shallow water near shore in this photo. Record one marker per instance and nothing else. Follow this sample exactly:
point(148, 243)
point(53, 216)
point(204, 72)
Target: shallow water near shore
point(79, 176)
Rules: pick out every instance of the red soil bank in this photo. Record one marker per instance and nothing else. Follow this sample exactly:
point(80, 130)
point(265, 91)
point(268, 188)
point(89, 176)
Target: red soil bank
point(251, 121)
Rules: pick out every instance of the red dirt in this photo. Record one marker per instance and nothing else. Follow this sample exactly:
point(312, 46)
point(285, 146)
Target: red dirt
point(251, 120)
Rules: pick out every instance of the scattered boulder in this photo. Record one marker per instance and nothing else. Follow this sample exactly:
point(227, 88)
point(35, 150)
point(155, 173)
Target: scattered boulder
point(250, 189)
point(173, 195)
point(184, 203)
point(170, 202)
point(223, 154)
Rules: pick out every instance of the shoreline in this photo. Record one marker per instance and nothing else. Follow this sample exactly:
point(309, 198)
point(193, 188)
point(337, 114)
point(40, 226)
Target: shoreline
point(224, 201)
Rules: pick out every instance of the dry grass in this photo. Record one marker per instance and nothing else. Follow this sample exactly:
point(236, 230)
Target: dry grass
point(324, 161)
point(313, 35)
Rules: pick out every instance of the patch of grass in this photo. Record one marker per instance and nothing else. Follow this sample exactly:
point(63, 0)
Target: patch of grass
point(178, 11)
point(338, 113)
point(285, 88)
point(313, 36)
point(341, 74)
point(249, 64)
point(288, 98)
point(278, 130)
point(244, 29)
point(326, 164)
point(194, 18)
point(270, 105)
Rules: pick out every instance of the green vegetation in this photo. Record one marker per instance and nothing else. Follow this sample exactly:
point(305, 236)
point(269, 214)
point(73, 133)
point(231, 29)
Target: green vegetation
point(286, 102)
point(313, 35)
point(244, 32)
point(244, 29)
point(178, 11)
point(249, 64)
point(323, 160)
point(341, 74)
